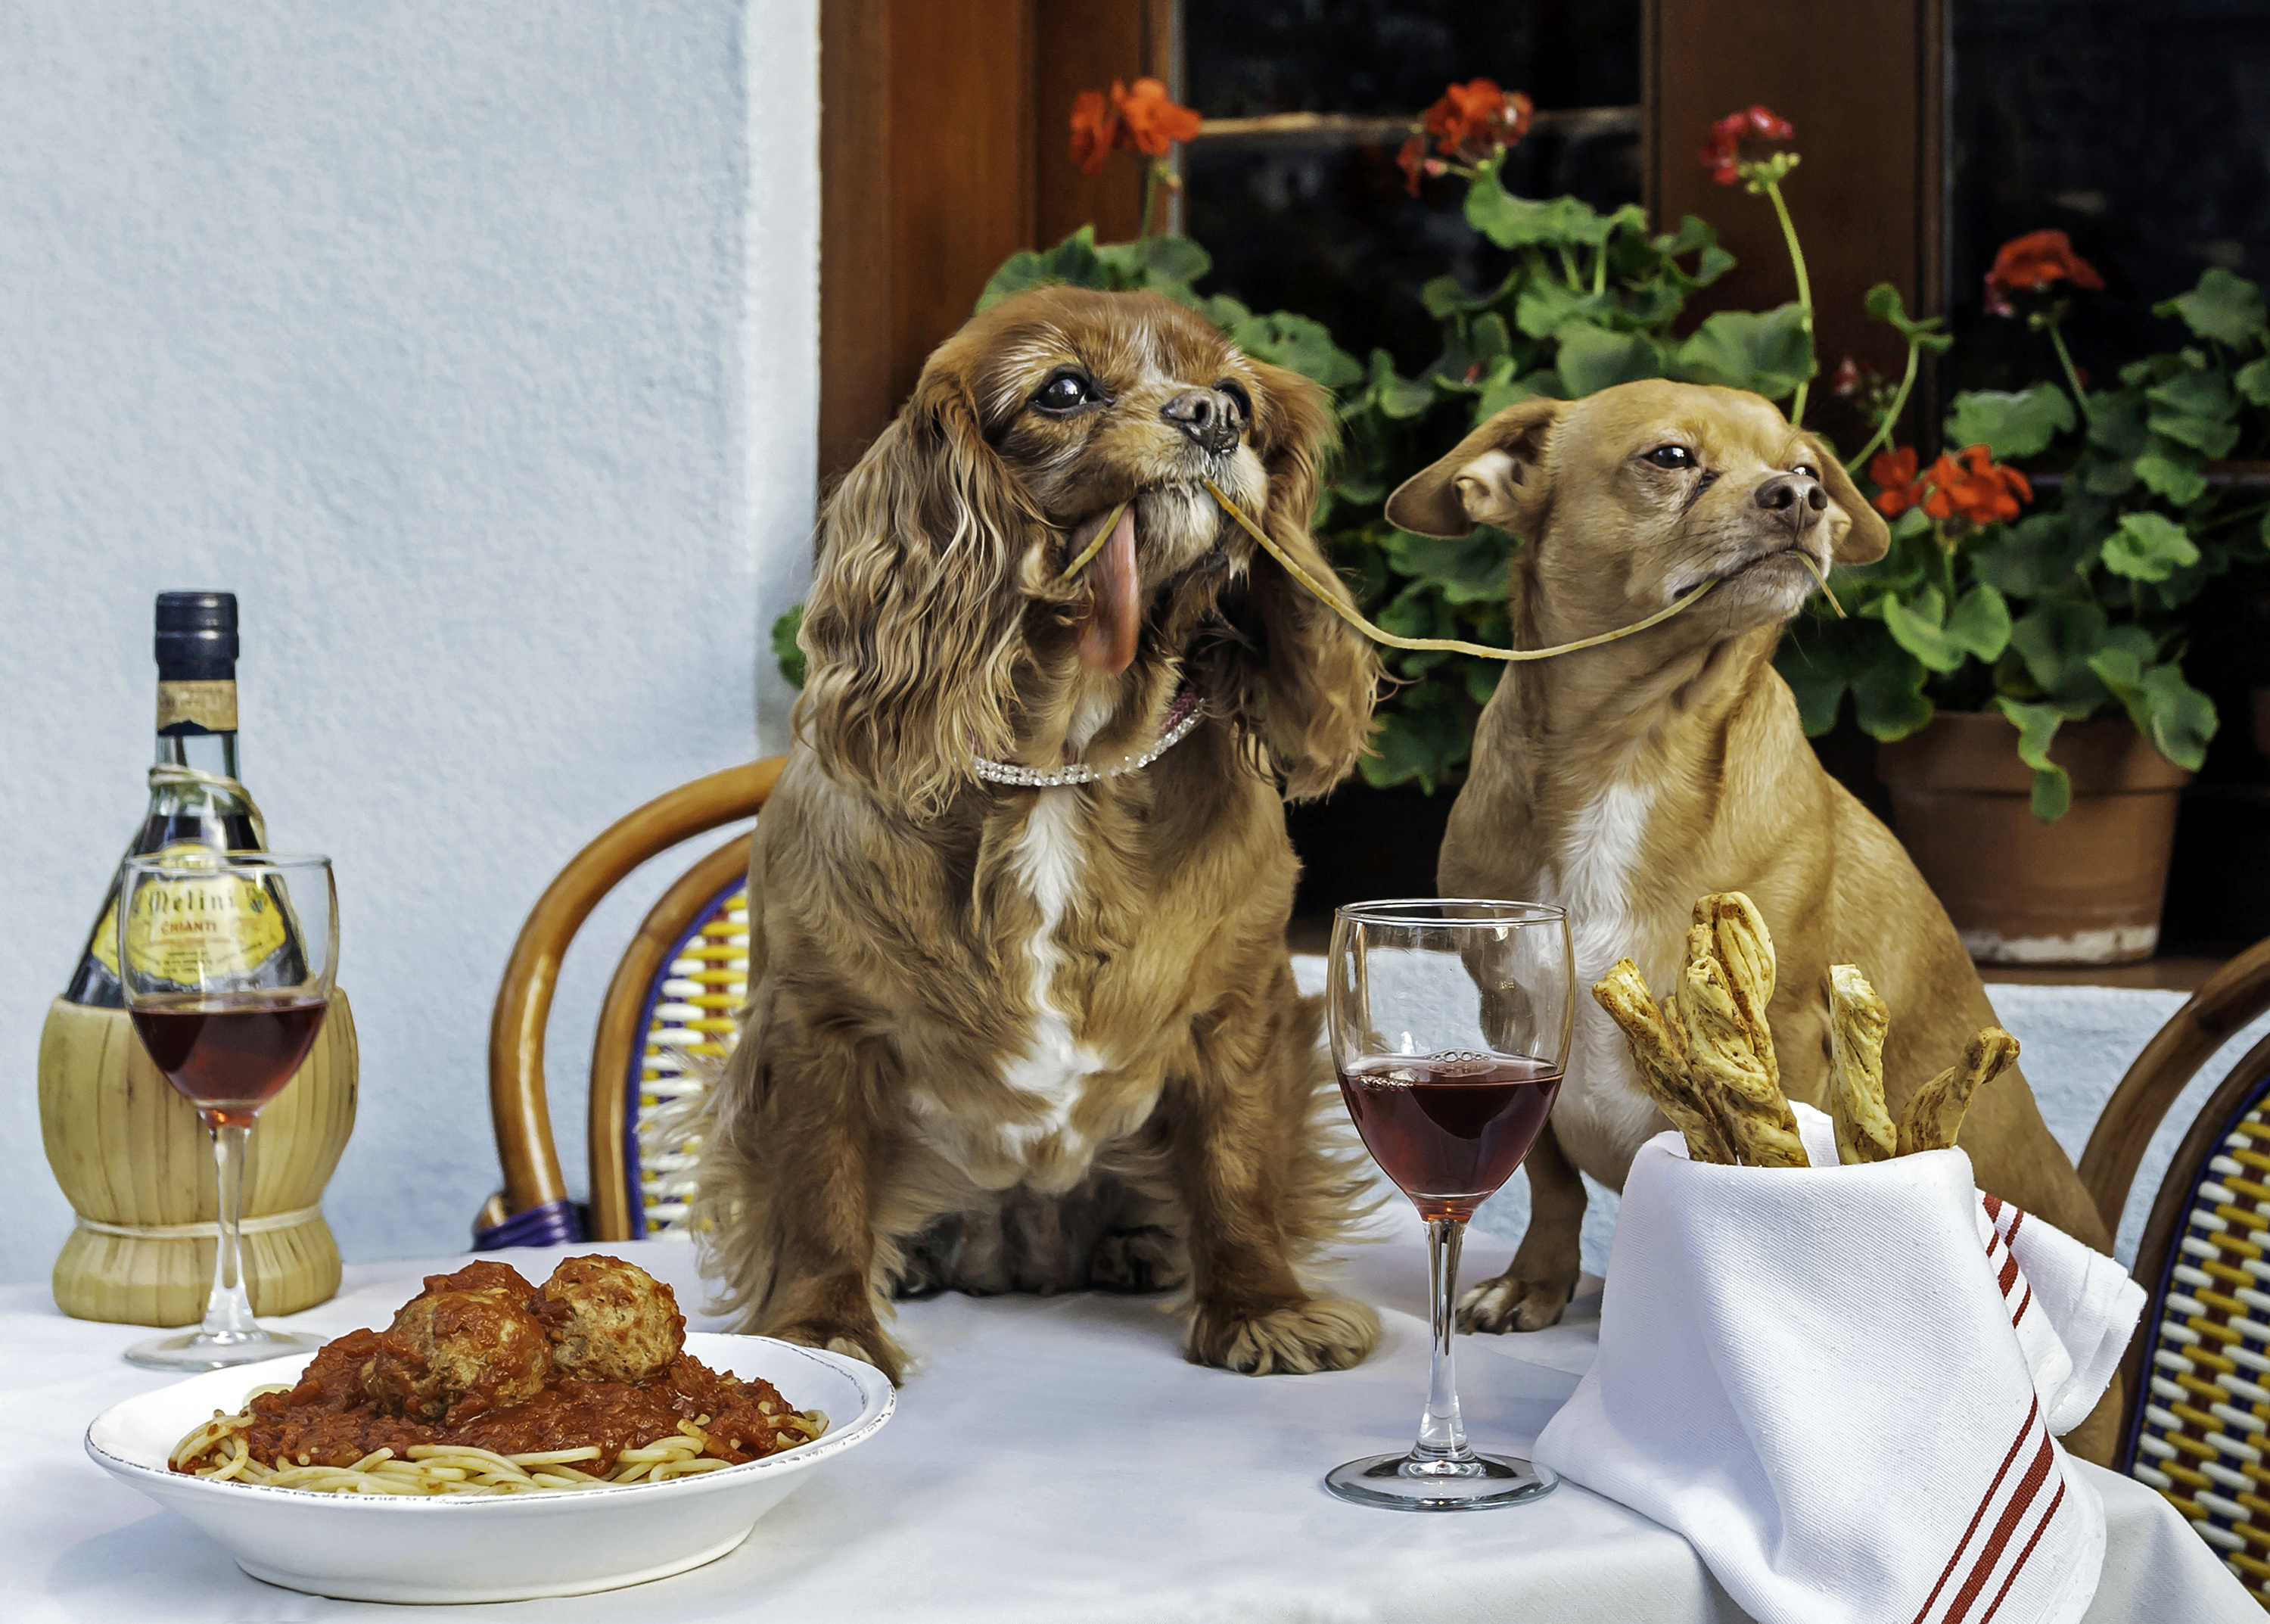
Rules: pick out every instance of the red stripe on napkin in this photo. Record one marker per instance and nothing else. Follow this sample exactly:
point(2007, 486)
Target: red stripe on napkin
point(1985, 1501)
point(2036, 1474)
point(2055, 1502)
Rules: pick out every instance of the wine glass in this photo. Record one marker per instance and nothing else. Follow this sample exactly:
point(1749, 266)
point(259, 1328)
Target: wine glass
point(225, 958)
point(1450, 1025)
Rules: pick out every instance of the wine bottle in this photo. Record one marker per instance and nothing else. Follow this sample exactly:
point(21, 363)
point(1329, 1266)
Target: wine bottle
point(197, 801)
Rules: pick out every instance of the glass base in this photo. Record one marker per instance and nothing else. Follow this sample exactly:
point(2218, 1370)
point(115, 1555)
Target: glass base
point(1404, 1483)
point(192, 1351)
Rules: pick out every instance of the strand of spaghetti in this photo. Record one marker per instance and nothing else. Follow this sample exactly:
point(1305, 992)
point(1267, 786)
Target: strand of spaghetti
point(1449, 644)
point(1096, 546)
point(1806, 559)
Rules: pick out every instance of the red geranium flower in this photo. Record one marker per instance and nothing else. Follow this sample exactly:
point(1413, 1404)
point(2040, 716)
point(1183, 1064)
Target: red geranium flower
point(2031, 263)
point(1151, 120)
point(1896, 472)
point(1145, 118)
point(1095, 130)
point(1976, 487)
point(1846, 380)
point(1413, 161)
point(1723, 156)
point(1476, 119)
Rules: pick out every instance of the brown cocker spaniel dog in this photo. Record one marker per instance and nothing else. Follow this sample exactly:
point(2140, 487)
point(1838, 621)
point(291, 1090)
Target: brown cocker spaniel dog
point(1011, 1038)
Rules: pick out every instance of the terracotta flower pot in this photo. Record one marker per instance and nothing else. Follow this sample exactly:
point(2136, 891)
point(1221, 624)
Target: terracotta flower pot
point(2084, 890)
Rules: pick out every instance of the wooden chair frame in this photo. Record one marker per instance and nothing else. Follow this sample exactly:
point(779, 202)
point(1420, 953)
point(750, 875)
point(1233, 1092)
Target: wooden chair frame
point(518, 1102)
point(2230, 998)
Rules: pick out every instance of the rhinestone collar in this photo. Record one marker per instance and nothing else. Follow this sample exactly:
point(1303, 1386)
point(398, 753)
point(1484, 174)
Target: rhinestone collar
point(1182, 717)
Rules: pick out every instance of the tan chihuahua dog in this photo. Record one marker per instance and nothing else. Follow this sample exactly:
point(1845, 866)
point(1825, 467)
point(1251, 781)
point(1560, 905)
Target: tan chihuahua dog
point(1624, 780)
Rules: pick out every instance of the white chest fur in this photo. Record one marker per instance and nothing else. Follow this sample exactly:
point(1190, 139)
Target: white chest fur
point(1055, 1064)
point(1602, 1116)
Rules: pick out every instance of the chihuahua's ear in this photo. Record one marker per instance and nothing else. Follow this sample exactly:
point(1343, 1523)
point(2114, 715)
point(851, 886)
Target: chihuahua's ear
point(1859, 536)
point(1493, 476)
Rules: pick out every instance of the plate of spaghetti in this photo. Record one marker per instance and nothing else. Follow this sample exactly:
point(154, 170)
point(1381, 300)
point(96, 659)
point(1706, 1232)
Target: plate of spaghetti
point(499, 1441)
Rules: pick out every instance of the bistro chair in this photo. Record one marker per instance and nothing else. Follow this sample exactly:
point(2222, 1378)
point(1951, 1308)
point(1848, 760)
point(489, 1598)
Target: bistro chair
point(2196, 1425)
point(674, 997)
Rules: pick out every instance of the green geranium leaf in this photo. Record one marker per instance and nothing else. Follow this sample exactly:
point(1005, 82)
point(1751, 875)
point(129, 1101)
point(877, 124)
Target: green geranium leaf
point(1471, 569)
point(2254, 381)
point(2148, 547)
point(2225, 307)
point(1766, 351)
point(1820, 691)
point(2177, 718)
point(1978, 625)
point(1503, 388)
point(1420, 734)
point(1592, 359)
point(1074, 261)
point(1546, 307)
point(2025, 560)
point(2172, 470)
point(1884, 304)
point(1397, 397)
point(1514, 222)
point(2055, 640)
point(2010, 425)
point(2037, 726)
point(1482, 678)
point(1888, 700)
point(1305, 346)
point(784, 649)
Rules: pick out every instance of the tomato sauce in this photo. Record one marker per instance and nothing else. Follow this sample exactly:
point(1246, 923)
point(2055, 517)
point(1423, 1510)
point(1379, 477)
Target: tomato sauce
point(334, 1417)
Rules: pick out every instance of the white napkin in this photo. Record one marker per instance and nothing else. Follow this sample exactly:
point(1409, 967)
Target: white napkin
point(1842, 1385)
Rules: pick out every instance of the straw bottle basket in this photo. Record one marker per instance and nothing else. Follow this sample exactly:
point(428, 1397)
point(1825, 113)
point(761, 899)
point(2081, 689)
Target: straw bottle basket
point(137, 1168)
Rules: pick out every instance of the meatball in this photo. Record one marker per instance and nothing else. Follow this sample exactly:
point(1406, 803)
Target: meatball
point(470, 1342)
point(611, 1321)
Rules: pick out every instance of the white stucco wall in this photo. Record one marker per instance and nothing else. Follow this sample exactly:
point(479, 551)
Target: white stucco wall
point(474, 346)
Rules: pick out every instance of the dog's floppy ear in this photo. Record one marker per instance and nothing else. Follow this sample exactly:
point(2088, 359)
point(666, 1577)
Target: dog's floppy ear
point(1864, 536)
point(1297, 679)
point(913, 631)
point(1490, 478)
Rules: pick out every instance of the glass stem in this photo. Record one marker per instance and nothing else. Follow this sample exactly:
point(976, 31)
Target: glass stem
point(1441, 1429)
point(228, 1310)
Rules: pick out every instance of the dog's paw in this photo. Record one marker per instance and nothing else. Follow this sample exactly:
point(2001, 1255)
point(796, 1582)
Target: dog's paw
point(869, 1347)
point(1137, 1260)
point(1325, 1333)
point(1511, 1303)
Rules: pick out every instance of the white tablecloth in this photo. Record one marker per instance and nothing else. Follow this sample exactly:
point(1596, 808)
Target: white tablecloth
point(1052, 1460)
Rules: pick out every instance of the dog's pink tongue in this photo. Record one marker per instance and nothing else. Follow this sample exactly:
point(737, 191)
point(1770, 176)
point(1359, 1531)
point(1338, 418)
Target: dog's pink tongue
point(1107, 640)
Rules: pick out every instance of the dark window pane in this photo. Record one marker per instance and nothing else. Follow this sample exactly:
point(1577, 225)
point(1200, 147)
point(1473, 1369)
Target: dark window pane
point(2140, 127)
point(1329, 230)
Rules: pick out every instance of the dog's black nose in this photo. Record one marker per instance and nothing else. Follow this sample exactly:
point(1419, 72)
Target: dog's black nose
point(1797, 497)
point(1207, 416)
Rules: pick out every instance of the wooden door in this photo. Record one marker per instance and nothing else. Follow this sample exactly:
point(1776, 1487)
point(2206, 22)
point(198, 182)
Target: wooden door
point(942, 152)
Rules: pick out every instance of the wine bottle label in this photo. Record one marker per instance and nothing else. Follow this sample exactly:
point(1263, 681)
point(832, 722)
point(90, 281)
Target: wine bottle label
point(200, 931)
point(209, 705)
point(105, 945)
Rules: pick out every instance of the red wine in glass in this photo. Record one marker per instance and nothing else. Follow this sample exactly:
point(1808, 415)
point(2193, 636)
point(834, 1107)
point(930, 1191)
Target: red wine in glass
point(1449, 1128)
point(229, 1055)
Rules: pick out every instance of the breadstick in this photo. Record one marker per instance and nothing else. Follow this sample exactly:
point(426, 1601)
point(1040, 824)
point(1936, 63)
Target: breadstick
point(1623, 994)
point(1745, 947)
point(1724, 1065)
point(1857, 1023)
point(1934, 1117)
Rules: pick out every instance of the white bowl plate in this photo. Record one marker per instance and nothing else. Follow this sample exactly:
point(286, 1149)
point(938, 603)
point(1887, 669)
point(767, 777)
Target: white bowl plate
point(501, 1547)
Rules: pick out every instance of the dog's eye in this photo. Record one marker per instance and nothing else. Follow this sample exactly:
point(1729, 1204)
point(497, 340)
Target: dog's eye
point(1064, 392)
point(1235, 390)
point(1807, 470)
point(1672, 456)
